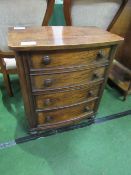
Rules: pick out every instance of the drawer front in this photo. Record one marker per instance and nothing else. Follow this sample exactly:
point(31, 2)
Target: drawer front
point(54, 81)
point(55, 100)
point(64, 114)
point(68, 59)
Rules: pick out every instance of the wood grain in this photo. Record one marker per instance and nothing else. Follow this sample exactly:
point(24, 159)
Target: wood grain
point(64, 114)
point(55, 38)
point(63, 76)
point(66, 79)
point(70, 59)
point(50, 100)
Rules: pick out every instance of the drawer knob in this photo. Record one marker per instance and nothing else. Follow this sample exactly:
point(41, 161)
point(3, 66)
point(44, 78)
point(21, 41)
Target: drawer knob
point(90, 94)
point(47, 82)
point(87, 109)
point(100, 55)
point(46, 60)
point(47, 102)
point(95, 76)
point(48, 118)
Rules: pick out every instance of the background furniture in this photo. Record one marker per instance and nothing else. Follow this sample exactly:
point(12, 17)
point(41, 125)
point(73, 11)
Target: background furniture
point(62, 73)
point(100, 13)
point(114, 16)
point(19, 13)
point(57, 18)
point(121, 69)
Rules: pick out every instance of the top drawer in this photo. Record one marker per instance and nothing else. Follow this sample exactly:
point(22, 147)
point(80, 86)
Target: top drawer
point(66, 59)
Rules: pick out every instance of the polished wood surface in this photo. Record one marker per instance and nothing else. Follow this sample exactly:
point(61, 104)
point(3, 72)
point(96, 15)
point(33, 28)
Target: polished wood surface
point(55, 38)
point(63, 76)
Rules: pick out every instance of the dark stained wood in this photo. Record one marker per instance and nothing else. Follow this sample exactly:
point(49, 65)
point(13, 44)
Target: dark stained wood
point(7, 83)
point(23, 72)
point(67, 12)
point(49, 11)
point(123, 4)
point(63, 76)
point(121, 68)
point(124, 53)
point(121, 76)
point(111, 57)
point(121, 25)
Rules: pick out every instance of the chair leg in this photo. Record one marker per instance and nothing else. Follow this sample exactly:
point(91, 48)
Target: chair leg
point(126, 93)
point(125, 96)
point(7, 84)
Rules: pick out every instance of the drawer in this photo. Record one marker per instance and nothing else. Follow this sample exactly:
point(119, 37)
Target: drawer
point(65, 114)
point(66, 79)
point(65, 98)
point(65, 59)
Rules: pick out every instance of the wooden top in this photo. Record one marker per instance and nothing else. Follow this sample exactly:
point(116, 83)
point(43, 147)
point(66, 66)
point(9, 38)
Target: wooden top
point(53, 38)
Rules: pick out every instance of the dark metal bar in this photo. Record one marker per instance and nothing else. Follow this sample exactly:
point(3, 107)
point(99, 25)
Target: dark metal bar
point(64, 129)
point(68, 128)
point(113, 116)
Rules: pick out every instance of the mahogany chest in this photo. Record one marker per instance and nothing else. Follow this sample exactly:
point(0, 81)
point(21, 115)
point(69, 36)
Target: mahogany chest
point(63, 71)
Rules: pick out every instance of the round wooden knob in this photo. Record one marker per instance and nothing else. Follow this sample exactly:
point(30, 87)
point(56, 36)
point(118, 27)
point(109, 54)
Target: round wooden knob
point(87, 109)
point(95, 76)
point(48, 118)
point(100, 55)
point(47, 82)
point(47, 102)
point(90, 94)
point(46, 60)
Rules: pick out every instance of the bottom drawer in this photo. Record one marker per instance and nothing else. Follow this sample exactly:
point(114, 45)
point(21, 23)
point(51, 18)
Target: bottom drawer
point(66, 114)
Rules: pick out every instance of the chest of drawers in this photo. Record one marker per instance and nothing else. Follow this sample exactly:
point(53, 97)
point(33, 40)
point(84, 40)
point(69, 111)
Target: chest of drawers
point(63, 71)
